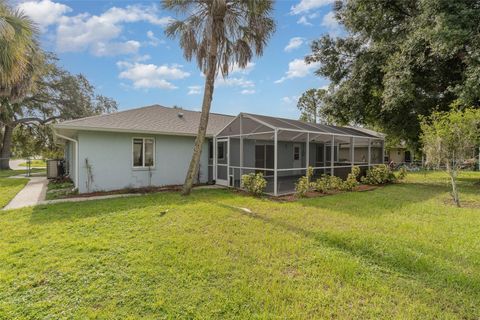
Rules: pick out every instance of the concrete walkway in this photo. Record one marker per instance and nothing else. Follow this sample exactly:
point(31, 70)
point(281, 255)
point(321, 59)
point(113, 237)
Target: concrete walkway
point(32, 194)
point(14, 164)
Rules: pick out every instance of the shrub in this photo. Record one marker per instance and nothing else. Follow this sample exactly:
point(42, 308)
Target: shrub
point(303, 184)
point(351, 182)
point(380, 174)
point(322, 184)
point(254, 183)
point(326, 183)
point(402, 173)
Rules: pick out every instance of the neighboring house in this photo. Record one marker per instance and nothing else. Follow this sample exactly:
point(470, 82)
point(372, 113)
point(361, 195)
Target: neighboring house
point(399, 153)
point(152, 146)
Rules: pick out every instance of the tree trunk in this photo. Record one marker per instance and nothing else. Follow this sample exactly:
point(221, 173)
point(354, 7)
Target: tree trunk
point(453, 179)
point(6, 147)
point(202, 128)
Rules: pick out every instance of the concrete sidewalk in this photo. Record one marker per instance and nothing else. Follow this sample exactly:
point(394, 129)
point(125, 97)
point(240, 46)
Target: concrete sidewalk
point(32, 194)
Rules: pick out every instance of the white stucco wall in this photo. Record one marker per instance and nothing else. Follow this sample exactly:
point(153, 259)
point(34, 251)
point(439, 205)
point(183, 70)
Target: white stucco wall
point(110, 159)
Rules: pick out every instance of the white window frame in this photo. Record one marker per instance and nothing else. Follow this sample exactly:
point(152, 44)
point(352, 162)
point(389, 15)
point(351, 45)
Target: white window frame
point(143, 150)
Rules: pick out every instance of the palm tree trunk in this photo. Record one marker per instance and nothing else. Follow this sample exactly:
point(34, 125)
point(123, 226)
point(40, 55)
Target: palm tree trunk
point(6, 147)
point(202, 128)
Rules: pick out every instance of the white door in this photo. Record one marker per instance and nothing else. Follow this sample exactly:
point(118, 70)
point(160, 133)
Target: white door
point(222, 162)
point(297, 159)
point(297, 155)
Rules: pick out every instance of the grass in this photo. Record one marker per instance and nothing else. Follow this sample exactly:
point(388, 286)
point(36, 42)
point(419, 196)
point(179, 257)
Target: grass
point(396, 252)
point(38, 163)
point(10, 187)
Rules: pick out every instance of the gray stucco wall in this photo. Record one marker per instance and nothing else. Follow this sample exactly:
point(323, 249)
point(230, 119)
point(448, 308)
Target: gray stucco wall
point(110, 159)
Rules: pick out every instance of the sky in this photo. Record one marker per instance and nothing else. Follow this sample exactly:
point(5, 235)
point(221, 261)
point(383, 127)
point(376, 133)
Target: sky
point(121, 48)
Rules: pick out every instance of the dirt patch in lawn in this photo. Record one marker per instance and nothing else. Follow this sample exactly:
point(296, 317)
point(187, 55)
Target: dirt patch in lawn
point(463, 203)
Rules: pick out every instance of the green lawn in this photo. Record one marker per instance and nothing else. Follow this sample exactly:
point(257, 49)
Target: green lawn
point(396, 252)
point(35, 163)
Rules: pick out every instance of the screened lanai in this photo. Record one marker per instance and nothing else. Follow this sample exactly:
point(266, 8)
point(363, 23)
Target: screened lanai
point(283, 149)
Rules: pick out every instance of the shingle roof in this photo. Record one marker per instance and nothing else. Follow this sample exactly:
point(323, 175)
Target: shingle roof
point(151, 119)
point(313, 127)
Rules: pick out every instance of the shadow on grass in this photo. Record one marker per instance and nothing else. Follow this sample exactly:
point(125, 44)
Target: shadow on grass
point(80, 210)
point(404, 261)
point(385, 200)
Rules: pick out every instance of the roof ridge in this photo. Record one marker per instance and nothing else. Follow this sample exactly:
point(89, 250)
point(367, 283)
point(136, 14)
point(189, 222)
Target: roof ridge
point(112, 113)
point(136, 109)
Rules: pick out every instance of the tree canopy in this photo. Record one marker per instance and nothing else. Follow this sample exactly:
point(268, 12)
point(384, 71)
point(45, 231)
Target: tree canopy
point(58, 95)
point(399, 60)
point(311, 104)
point(449, 138)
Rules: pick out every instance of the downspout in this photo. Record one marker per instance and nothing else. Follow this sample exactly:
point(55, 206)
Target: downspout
point(76, 154)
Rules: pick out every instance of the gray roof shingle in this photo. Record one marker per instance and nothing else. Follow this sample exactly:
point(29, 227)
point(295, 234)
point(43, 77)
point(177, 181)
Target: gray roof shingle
point(151, 119)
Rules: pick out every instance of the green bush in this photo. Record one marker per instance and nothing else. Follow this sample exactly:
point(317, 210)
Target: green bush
point(303, 184)
point(402, 173)
point(351, 182)
point(380, 174)
point(254, 183)
point(326, 183)
point(322, 184)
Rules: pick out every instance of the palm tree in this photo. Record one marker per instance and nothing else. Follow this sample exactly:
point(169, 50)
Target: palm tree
point(21, 62)
point(20, 54)
point(219, 34)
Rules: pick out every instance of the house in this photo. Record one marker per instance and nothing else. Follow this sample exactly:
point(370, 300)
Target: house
point(399, 154)
point(152, 146)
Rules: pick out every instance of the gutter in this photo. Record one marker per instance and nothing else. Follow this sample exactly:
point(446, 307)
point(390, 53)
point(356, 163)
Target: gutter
point(165, 133)
point(76, 154)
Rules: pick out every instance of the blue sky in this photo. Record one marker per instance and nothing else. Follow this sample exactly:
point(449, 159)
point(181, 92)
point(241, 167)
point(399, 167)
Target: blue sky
point(120, 46)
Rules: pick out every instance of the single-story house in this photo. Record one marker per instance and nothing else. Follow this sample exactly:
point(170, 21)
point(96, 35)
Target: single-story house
point(152, 146)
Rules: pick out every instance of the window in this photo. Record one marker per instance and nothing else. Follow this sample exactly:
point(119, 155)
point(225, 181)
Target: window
point(220, 150)
point(143, 152)
point(210, 149)
point(296, 153)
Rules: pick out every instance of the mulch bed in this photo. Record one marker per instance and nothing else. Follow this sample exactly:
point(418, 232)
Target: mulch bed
point(125, 191)
point(316, 194)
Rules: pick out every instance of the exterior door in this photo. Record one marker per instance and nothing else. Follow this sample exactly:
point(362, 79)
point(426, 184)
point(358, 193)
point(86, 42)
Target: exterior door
point(222, 162)
point(297, 155)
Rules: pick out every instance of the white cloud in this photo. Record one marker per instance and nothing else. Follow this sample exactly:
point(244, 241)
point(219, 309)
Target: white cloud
point(331, 22)
point(153, 40)
point(44, 12)
point(194, 90)
point(99, 34)
point(307, 5)
point(304, 21)
point(248, 68)
point(234, 82)
point(294, 43)
point(297, 68)
point(247, 91)
point(290, 100)
point(150, 75)
point(115, 48)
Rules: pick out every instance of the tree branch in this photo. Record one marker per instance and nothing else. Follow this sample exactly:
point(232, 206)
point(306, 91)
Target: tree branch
point(37, 120)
